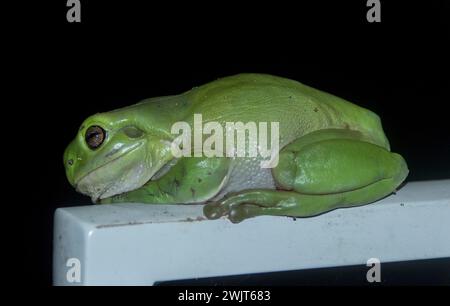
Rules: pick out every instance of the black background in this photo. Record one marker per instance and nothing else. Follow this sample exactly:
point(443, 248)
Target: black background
point(123, 52)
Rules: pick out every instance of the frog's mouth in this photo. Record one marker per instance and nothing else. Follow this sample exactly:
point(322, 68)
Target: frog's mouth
point(121, 174)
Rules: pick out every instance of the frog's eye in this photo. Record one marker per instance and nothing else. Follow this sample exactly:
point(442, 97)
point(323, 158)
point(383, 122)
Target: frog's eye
point(94, 136)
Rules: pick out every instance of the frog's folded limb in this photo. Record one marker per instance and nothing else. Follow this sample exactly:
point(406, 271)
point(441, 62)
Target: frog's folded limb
point(190, 180)
point(319, 176)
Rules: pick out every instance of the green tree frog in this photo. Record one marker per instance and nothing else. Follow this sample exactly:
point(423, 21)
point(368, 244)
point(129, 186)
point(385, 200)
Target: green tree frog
point(332, 153)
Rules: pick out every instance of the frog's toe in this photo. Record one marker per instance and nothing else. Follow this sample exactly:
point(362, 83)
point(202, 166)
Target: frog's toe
point(241, 212)
point(213, 211)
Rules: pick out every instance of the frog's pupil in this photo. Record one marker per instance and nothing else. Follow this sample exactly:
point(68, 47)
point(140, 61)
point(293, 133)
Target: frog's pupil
point(95, 136)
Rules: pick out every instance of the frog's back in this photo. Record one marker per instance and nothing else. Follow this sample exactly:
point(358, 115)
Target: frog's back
point(298, 108)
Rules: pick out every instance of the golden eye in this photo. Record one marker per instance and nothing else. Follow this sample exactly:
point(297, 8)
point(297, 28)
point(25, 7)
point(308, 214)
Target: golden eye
point(94, 136)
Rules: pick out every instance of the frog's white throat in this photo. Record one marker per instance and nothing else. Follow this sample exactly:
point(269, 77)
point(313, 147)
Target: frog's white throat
point(98, 185)
point(104, 182)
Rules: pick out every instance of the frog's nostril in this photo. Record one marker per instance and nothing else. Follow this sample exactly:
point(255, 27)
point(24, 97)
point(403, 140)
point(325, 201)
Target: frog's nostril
point(70, 162)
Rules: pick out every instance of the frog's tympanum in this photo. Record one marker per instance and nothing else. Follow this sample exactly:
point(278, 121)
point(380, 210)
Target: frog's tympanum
point(330, 152)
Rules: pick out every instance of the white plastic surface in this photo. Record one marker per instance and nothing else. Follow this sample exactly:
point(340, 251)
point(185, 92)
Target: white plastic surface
point(139, 244)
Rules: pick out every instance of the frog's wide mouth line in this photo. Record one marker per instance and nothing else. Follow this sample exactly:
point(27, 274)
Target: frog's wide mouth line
point(130, 149)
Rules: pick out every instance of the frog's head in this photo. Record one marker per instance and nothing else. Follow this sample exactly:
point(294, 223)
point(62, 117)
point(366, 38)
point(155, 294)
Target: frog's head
point(112, 154)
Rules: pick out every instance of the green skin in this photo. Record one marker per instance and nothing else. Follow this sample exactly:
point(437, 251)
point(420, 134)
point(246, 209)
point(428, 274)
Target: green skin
point(332, 153)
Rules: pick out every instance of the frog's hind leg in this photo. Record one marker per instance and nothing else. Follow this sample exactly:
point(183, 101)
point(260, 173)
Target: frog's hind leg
point(318, 173)
point(252, 203)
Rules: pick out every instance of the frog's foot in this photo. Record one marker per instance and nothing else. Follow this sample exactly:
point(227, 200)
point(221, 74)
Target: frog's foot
point(235, 214)
point(214, 210)
point(246, 204)
point(245, 211)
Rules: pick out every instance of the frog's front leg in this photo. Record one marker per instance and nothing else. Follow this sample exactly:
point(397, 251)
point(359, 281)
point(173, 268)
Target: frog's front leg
point(190, 180)
point(317, 173)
